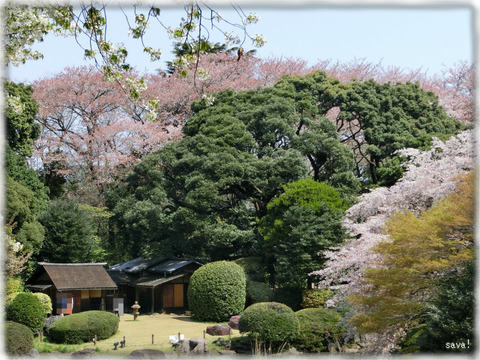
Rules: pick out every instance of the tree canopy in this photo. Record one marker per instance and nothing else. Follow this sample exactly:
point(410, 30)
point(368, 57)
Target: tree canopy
point(299, 225)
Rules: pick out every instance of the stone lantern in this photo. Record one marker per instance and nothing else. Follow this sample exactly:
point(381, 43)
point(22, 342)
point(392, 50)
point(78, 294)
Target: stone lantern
point(135, 308)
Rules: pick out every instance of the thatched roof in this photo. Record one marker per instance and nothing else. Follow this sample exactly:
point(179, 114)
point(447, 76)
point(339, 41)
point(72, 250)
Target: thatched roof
point(90, 276)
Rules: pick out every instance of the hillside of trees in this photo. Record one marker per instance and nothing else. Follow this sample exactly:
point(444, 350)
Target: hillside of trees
point(350, 178)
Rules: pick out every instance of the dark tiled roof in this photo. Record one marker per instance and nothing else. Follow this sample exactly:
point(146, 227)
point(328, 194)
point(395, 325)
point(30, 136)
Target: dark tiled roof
point(79, 276)
point(137, 265)
point(171, 266)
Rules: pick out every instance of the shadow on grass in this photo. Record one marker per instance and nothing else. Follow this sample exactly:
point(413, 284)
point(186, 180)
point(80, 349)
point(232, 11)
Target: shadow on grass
point(185, 318)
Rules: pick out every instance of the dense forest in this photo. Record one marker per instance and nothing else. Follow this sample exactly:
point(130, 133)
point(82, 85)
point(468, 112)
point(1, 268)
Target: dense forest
point(352, 179)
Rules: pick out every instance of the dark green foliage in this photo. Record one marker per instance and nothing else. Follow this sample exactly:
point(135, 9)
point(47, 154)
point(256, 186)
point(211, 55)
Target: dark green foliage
point(270, 322)
point(27, 197)
point(19, 338)
point(288, 296)
point(258, 292)
point(217, 291)
point(316, 298)
point(82, 327)
point(299, 224)
point(22, 130)
point(318, 328)
point(68, 233)
point(28, 310)
point(253, 267)
point(449, 319)
point(392, 117)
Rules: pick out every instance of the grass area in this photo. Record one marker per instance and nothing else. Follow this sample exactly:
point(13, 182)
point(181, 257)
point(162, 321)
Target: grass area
point(138, 335)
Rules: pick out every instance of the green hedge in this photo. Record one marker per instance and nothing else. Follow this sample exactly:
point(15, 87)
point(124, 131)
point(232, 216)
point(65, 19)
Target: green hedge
point(269, 321)
point(258, 292)
point(318, 328)
point(28, 310)
point(19, 338)
point(82, 327)
point(217, 291)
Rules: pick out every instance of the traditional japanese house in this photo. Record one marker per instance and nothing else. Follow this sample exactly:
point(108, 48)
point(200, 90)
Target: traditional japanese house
point(74, 287)
point(159, 284)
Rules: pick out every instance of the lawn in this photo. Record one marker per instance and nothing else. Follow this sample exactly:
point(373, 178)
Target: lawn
point(138, 335)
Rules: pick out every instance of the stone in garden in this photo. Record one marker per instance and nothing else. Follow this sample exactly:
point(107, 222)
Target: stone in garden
point(49, 322)
point(33, 353)
point(233, 323)
point(88, 352)
point(197, 346)
point(218, 330)
point(146, 354)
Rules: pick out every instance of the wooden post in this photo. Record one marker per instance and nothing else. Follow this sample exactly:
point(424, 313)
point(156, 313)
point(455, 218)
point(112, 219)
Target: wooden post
point(152, 339)
point(204, 334)
point(41, 336)
point(95, 340)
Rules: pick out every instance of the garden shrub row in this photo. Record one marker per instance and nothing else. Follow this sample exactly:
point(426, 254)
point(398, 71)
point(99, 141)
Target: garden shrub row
point(273, 324)
point(82, 327)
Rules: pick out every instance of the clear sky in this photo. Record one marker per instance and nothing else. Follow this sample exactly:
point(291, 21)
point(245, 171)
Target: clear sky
point(418, 36)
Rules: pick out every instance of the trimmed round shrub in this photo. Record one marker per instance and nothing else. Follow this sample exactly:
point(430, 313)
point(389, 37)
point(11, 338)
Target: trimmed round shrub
point(269, 322)
point(46, 302)
point(82, 327)
point(19, 338)
point(318, 328)
point(217, 291)
point(28, 310)
point(258, 292)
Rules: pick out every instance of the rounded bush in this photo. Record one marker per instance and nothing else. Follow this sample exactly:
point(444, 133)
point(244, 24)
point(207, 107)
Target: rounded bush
point(318, 328)
point(19, 338)
point(269, 321)
point(46, 302)
point(81, 327)
point(28, 310)
point(217, 291)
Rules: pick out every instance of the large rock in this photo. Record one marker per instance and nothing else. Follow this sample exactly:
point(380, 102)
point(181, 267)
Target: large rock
point(218, 330)
point(33, 353)
point(88, 352)
point(233, 323)
point(197, 346)
point(146, 354)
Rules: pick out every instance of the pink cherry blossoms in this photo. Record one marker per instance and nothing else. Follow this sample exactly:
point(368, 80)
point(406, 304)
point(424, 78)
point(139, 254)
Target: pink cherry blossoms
point(430, 176)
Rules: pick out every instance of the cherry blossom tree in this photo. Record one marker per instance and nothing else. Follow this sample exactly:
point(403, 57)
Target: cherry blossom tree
point(430, 176)
point(91, 128)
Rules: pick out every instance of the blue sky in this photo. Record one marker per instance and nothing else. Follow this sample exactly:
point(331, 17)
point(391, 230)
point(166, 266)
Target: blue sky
point(427, 37)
